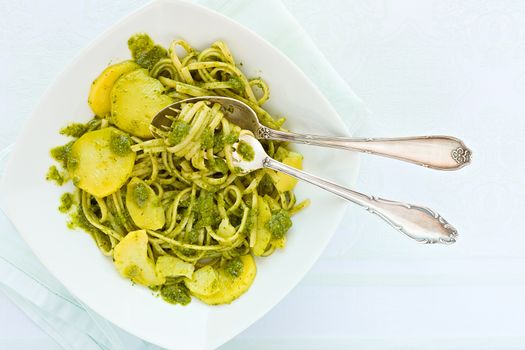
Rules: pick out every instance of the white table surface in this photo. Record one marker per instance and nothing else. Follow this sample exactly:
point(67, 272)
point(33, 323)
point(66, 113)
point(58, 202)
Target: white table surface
point(422, 67)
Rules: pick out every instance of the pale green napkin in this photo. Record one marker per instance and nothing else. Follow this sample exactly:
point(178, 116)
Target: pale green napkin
point(74, 326)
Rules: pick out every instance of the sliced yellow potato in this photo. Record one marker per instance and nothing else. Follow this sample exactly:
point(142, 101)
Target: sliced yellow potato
point(230, 287)
point(170, 266)
point(144, 205)
point(101, 161)
point(263, 235)
point(205, 281)
point(285, 182)
point(99, 96)
point(130, 257)
point(135, 99)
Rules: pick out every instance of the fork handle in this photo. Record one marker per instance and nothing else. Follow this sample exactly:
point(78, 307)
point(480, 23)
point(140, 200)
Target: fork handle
point(418, 223)
point(436, 152)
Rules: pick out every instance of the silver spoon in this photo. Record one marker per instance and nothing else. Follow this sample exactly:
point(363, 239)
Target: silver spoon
point(436, 152)
point(418, 223)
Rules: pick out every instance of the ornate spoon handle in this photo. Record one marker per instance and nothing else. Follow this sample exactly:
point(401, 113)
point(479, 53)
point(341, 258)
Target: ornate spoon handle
point(419, 223)
point(436, 152)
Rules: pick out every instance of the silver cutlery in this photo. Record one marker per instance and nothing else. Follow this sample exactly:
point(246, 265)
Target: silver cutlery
point(419, 223)
point(436, 152)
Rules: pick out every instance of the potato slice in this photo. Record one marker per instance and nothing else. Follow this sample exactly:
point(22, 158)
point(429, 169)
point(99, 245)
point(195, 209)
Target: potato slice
point(130, 257)
point(285, 182)
point(101, 161)
point(144, 205)
point(263, 235)
point(135, 99)
point(100, 94)
point(230, 287)
point(205, 281)
point(170, 266)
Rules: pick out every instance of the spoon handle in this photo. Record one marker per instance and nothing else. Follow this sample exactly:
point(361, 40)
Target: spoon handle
point(418, 223)
point(436, 152)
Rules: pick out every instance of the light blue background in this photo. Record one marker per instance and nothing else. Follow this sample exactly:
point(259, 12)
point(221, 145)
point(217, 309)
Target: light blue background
point(422, 67)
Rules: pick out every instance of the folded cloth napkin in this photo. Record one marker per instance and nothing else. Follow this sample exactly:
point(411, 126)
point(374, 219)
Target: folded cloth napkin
point(36, 292)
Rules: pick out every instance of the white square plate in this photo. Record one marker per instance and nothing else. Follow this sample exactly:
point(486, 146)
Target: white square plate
point(31, 202)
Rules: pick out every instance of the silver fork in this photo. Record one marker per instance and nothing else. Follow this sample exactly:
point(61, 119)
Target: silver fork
point(419, 223)
point(436, 152)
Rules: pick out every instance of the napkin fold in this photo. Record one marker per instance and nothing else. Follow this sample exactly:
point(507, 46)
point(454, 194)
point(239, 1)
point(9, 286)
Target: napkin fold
point(38, 294)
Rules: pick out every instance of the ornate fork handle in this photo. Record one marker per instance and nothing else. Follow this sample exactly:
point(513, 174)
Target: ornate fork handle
point(419, 223)
point(436, 152)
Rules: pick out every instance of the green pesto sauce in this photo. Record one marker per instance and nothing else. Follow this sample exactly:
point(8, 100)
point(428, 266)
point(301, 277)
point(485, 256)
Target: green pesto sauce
point(138, 43)
point(237, 170)
point(61, 153)
point(207, 139)
point(230, 139)
point(188, 252)
point(179, 130)
point(192, 237)
point(184, 203)
point(93, 124)
point(220, 140)
point(74, 130)
point(66, 202)
point(120, 144)
point(175, 294)
point(79, 220)
point(245, 151)
point(206, 211)
point(220, 165)
point(236, 84)
point(279, 224)
point(140, 194)
point(72, 163)
point(250, 220)
point(234, 267)
point(144, 51)
point(54, 175)
point(133, 271)
point(123, 218)
point(265, 186)
point(148, 59)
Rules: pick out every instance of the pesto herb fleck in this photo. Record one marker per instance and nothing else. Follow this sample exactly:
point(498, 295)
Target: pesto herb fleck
point(120, 144)
point(234, 267)
point(236, 84)
point(144, 51)
point(175, 294)
point(140, 194)
point(220, 165)
point(66, 202)
point(207, 139)
point(54, 175)
point(279, 224)
point(178, 132)
point(148, 59)
point(61, 153)
point(220, 140)
point(265, 185)
point(74, 130)
point(245, 151)
point(138, 43)
point(206, 211)
point(192, 237)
